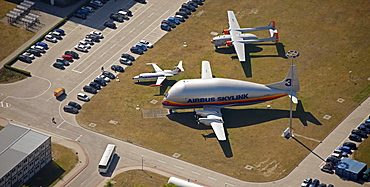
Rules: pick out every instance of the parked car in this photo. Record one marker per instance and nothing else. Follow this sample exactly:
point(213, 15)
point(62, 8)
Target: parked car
point(123, 14)
point(173, 20)
point(117, 17)
point(306, 182)
point(350, 145)
point(199, 2)
point(172, 25)
point(34, 51)
point(180, 18)
point(67, 57)
point(61, 31)
point(141, 46)
point(165, 27)
point(50, 38)
point(341, 153)
point(136, 50)
point(83, 11)
point(45, 45)
point(71, 53)
point(345, 149)
point(90, 89)
point(74, 104)
point(81, 16)
point(104, 78)
point(94, 6)
point(367, 121)
point(40, 48)
point(95, 85)
point(96, 2)
point(187, 11)
point(99, 34)
point(83, 97)
point(315, 183)
point(361, 134)
point(59, 65)
point(81, 48)
point(125, 61)
point(109, 74)
point(327, 169)
point(322, 184)
point(128, 12)
point(70, 109)
point(56, 34)
point(188, 6)
point(100, 81)
point(355, 138)
point(194, 4)
point(62, 60)
point(146, 43)
point(84, 43)
point(24, 58)
point(183, 14)
point(110, 25)
point(29, 55)
point(364, 128)
point(95, 38)
point(333, 160)
point(88, 8)
point(89, 41)
point(117, 68)
point(128, 56)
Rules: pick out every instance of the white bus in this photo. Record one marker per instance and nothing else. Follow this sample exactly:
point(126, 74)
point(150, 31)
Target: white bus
point(107, 157)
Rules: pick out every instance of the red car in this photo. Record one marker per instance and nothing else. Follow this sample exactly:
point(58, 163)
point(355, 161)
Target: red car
point(67, 57)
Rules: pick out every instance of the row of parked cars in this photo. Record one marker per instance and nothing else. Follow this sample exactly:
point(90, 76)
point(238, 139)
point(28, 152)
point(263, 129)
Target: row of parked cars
point(65, 59)
point(141, 47)
point(90, 7)
point(308, 182)
point(180, 16)
point(86, 43)
point(40, 47)
point(120, 16)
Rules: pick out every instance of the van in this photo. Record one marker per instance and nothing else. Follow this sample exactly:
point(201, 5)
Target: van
point(58, 92)
point(366, 174)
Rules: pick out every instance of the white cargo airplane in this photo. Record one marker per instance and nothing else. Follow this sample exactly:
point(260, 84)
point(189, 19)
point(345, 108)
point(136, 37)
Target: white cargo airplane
point(212, 94)
point(234, 36)
point(159, 74)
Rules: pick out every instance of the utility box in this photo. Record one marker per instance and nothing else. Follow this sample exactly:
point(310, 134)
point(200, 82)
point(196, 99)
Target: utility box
point(58, 92)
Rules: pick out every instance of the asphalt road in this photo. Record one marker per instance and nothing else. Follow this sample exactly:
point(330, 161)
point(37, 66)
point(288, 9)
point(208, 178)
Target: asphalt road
point(31, 103)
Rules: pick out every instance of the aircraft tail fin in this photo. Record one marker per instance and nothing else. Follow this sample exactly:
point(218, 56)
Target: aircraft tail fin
point(178, 68)
point(290, 84)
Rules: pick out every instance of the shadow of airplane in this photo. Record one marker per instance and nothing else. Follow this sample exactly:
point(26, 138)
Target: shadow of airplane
point(246, 117)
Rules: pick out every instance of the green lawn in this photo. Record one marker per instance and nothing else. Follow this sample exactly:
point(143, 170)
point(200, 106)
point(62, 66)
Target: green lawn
point(331, 37)
point(139, 177)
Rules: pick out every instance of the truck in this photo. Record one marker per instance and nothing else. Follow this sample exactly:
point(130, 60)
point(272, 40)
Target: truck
point(58, 92)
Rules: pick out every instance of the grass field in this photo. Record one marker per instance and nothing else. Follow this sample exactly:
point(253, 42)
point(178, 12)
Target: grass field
point(363, 152)
point(138, 177)
point(331, 37)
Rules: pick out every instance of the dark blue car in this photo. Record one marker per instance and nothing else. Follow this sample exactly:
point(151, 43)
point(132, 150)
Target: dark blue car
point(364, 128)
point(86, 12)
point(345, 149)
point(141, 46)
point(137, 50)
point(61, 31)
point(173, 20)
point(42, 44)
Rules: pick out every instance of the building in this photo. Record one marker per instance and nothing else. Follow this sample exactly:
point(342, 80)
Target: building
point(23, 152)
point(350, 169)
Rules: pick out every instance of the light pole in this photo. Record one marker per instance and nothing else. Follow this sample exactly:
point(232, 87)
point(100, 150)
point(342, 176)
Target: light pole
point(142, 162)
point(291, 54)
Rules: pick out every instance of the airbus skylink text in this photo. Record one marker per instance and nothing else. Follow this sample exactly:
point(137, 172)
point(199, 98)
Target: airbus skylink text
point(213, 99)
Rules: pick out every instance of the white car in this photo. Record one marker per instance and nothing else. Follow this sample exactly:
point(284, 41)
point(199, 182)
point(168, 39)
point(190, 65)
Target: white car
point(50, 38)
point(96, 2)
point(83, 42)
point(40, 48)
point(106, 79)
point(31, 56)
point(97, 34)
point(88, 8)
point(83, 97)
point(89, 41)
point(81, 48)
point(146, 43)
point(125, 61)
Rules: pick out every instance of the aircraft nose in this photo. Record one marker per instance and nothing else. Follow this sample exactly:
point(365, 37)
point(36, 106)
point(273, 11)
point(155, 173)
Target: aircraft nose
point(211, 41)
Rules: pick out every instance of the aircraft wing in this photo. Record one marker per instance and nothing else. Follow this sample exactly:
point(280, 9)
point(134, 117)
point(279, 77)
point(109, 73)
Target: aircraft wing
point(156, 68)
point(159, 81)
point(240, 51)
point(206, 70)
point(233, 23)
point(215, 118)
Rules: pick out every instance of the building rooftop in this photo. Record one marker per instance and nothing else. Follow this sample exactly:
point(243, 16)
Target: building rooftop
point(16, 143)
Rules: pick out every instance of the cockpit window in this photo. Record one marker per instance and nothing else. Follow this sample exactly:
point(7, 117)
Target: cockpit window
point(165, 96)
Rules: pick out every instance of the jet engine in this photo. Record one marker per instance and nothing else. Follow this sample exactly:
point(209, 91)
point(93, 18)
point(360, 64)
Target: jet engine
point(226, 31)
point(208, 121)
point(204, 113)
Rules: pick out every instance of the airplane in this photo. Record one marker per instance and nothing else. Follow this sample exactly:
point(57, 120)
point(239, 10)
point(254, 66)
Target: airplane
point(159, 74)
point(212, 94)
point(234, 36)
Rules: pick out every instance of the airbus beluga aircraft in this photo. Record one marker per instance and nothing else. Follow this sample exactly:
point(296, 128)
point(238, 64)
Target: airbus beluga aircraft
point(212, 94)
point(234, 36)
point(159, 74)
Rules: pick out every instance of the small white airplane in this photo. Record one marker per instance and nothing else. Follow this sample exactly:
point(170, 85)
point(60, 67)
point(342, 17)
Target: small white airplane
point(212, 94)
point(234, 36)
point(159, 74)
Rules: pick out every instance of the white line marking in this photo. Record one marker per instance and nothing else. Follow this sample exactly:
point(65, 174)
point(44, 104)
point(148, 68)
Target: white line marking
point(212, 178)
point(141, 22)
point(161, 161)
point(195, 172)
point(78, 137)
point(178, 167)
point(76, 71)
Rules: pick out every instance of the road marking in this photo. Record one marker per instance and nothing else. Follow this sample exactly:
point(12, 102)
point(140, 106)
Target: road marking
point(212, 178)
point(76, 71)
point(83, 182)
point(150, 15)
point(78, 138)
point(161, 161)
point(122, 38)
point(195, 172)
point(178, 167)
point(5, 105)
point(141, 22)
point(113, 46)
